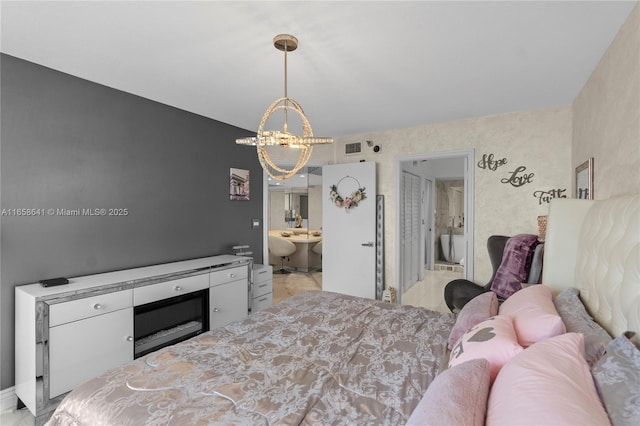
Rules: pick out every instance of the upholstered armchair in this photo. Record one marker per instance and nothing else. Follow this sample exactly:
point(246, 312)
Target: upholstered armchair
point(458, 292)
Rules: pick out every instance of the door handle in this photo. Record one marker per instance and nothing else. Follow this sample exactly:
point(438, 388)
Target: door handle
point(369, 244)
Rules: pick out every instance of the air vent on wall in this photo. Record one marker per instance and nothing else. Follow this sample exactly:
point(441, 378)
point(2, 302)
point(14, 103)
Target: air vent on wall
point(353, 148)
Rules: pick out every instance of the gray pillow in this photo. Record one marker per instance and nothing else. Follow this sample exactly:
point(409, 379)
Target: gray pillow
point(617, 378)
point(577, 320)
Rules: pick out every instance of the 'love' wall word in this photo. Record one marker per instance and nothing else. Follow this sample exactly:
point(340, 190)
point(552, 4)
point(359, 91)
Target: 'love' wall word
point(547, 196)
point(518, 177)
point(488, 162)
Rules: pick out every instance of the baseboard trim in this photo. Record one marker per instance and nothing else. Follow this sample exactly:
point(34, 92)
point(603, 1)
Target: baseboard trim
point(8, 399)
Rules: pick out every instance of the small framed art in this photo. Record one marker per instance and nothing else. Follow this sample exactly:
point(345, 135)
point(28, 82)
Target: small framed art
point(238, 184)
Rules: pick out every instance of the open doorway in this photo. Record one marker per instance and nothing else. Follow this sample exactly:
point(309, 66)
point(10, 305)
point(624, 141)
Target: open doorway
point(434, 221)
point(292, 211)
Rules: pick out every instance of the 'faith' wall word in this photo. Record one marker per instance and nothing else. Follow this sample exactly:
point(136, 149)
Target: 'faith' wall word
point(547, 196)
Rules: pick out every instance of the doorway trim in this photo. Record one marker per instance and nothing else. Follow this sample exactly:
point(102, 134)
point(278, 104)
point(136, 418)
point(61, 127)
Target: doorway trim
point(469, 220)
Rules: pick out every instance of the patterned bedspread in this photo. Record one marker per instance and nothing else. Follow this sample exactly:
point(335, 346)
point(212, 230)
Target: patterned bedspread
point(316, 358)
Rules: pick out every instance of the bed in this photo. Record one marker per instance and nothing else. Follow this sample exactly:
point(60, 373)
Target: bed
point(317, 357)
point(326, 358)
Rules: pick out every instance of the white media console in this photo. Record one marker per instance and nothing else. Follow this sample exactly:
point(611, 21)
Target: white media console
point(69, 333)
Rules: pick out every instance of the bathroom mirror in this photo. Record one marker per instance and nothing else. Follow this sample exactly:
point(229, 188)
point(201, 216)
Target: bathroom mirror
point(584, 180)
point(298, 198)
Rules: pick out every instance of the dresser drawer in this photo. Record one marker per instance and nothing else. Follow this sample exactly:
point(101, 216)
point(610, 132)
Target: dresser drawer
point(262, 288)
point(262, 302)
point(262, 273)
point(229, 275)
point(166, 290)
point(74, 310)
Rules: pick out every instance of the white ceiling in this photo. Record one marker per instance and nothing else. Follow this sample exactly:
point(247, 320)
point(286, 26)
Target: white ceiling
point(360, 66)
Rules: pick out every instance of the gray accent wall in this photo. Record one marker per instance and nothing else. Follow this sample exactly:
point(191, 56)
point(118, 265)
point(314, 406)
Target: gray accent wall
point(69, 144)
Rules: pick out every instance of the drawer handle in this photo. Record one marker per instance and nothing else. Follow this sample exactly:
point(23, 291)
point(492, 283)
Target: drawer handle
point(97, 306)
point(232, 275)
point(129, 338)
point(262, 285)
point(263, 299)
point(216, 310)
point(262, 272)
point(178, 288)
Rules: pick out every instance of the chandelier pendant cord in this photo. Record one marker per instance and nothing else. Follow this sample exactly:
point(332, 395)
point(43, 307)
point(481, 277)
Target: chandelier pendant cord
point(286, 96)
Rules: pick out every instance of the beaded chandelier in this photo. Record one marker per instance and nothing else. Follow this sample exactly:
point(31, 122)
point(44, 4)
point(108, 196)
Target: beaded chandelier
point(264, 138)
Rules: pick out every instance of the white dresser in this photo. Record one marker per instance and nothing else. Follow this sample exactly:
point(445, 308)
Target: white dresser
point(261, 287)
point(69, 333)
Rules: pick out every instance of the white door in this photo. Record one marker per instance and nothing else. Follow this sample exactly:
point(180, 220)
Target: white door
point(349, 234)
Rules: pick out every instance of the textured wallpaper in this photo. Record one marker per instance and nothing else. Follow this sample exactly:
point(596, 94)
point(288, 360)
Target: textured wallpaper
point(539, 141)
point(606, 116)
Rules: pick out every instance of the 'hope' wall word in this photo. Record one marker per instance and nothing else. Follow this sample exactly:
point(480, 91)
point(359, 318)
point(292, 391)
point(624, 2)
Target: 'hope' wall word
point(488, 162)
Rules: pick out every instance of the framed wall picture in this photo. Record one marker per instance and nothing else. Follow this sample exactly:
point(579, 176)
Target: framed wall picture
point(239, 184)
point(584, 180)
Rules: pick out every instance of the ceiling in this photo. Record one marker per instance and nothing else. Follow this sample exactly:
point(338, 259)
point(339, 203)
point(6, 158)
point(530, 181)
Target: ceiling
point(360, 66)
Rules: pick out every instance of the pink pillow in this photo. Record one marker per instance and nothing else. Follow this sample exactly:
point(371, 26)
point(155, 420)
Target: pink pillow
point(493, 339)
point(457, 396)
point(547, 384)
point(533, 313)
point(476, 310)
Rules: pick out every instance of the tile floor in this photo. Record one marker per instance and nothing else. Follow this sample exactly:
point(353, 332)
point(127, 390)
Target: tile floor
point(16, 418)
point(427, 293)
point(287, 285)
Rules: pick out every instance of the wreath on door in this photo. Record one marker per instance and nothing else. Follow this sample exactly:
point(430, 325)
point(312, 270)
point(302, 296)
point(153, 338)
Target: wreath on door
point(347, 202)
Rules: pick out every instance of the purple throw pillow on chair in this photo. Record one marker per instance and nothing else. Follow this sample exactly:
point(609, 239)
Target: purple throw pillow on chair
point(514, 268)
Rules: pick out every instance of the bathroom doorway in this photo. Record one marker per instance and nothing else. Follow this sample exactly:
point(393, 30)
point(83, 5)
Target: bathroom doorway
point(434, 223)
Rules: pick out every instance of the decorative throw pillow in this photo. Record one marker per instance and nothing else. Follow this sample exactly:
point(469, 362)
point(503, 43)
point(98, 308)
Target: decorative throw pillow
point(576, 319)
point(493, 339)
point(533, 314)
point(476, 310)
point(617, 378)
point(548, 383)
point(514, 268)
point(458, 396)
